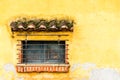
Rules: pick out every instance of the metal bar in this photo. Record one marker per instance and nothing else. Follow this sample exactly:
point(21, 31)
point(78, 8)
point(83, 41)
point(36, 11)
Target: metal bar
point(43, 35)
point(41, 49)
point(40, 44)
point(30, 59)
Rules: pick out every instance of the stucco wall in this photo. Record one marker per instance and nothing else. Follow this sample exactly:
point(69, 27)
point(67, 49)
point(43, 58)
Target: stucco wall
point(94, 44)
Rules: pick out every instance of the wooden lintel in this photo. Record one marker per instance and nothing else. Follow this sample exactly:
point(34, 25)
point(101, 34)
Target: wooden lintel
point(42, 35)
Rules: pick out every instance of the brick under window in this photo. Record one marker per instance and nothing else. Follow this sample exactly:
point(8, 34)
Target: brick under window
point(38, 56)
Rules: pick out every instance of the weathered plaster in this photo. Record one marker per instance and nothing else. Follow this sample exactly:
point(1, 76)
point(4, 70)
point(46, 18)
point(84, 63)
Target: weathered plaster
point(19, 78)
point(84, 66)
point(104, 74)
point(94, 72)
point(9, 67)
point(87, 66)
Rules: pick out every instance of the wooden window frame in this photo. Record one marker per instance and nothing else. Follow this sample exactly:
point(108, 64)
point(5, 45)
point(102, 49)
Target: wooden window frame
point(22, 67)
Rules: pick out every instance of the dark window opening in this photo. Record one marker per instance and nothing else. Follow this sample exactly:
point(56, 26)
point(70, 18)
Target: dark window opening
point(43, 52)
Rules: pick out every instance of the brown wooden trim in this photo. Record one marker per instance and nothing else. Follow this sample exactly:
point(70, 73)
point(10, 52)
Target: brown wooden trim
point(42, 68)
point(42, 35)
point(20, 54)
point(20, 58)
point(66, 54)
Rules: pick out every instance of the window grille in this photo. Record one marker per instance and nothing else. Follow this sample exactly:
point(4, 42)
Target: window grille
point(43, 52)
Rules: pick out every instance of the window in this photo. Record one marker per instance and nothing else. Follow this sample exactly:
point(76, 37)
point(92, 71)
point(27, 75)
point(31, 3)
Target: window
point(35, 55)
point(43, 52)
point(42, 56)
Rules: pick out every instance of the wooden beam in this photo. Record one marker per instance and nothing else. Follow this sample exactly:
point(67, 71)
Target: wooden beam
point(42, 35)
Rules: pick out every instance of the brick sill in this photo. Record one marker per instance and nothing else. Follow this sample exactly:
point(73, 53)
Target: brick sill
point(42, 67)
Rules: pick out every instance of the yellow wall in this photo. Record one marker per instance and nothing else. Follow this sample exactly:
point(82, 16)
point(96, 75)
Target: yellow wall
point(94, 44)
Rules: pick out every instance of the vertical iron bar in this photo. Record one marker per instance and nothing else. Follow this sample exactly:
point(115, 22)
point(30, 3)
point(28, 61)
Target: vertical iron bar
point(26, 47)
point(59, 47)
point(44, 52)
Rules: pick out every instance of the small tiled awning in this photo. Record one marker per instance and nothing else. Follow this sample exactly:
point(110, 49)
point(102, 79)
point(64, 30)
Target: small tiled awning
point(41, 25)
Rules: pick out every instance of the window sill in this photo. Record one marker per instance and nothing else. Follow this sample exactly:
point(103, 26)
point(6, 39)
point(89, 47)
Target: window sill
point(42, 67)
